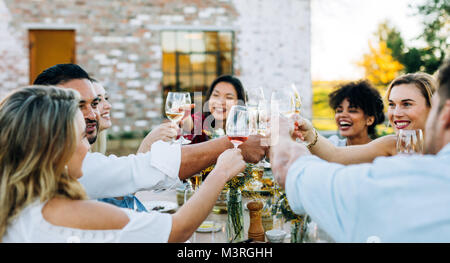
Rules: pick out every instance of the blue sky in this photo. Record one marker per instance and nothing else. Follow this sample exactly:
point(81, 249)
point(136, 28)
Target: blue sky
point(341, 29)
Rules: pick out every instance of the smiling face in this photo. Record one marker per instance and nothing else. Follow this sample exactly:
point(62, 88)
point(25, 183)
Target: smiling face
point(351, 120)
point(223, 97)
point(104, 107)
point(76, 161)
point(88, 105)
point(407, 107)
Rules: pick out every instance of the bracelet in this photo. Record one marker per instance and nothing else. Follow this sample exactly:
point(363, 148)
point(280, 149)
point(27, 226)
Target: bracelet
point(316, 137)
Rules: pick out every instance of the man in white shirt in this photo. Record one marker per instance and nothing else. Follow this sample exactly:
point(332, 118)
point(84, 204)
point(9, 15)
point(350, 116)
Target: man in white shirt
point(161, 166)
point(393, 199)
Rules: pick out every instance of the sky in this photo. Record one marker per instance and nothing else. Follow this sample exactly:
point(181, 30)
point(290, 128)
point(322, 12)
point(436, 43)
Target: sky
point(341, 30)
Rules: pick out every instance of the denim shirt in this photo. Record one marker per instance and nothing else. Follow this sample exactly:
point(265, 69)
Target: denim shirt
point(128, 201)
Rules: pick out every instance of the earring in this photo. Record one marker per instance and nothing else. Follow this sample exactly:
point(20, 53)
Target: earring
point(66, 169)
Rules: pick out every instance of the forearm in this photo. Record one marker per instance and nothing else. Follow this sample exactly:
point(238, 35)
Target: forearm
point(191, 215)
point(198, 156)
point(354, 154)
point(324, 149)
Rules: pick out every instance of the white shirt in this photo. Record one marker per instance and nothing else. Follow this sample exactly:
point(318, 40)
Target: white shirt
point(338, 142)
point(31, 227)
point(393, 199)
point(111, 176)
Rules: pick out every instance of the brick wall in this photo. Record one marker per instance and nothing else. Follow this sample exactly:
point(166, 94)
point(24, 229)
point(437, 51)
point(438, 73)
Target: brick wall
point(118, 42)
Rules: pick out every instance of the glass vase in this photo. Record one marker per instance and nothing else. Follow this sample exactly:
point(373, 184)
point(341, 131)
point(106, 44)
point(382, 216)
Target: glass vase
point(298, 230)
point(235, 217)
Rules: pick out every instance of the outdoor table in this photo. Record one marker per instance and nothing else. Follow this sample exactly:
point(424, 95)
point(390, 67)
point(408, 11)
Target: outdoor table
point(210, 237)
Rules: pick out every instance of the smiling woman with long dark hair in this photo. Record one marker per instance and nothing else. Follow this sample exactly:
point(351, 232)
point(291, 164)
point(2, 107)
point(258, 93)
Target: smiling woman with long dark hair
point(224, 92)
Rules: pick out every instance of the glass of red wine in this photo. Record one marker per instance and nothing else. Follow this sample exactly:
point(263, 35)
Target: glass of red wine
point(238, 125)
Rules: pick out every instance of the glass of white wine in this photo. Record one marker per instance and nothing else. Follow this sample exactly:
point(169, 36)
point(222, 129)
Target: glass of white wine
point(175, 102)
point(285, 98)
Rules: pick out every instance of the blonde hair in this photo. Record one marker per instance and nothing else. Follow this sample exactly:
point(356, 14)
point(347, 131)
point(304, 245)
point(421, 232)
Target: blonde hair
point(38, 137)
point(100, 144)
point(423, 81)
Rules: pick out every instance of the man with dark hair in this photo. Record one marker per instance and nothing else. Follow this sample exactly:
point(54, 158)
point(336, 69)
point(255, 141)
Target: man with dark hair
point(74, 77)
point(162, 166)
point(393, 199)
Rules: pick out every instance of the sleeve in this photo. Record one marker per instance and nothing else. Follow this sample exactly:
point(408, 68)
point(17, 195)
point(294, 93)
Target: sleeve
point(328, 192)
point(112, 176)
point(150, 227)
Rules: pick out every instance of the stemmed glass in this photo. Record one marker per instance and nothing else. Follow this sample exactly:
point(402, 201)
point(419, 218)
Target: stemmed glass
point(254, 95)
point(187, 112)
point(263, 125)
point(237, 127)
point(410, 142)
point(285, 99)
point(175, 102)
point(296, 100)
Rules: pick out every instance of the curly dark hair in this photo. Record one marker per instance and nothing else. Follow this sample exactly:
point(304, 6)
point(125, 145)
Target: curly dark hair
point(360, 94)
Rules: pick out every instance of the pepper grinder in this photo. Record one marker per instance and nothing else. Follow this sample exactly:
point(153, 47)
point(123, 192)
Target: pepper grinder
point(255, 230)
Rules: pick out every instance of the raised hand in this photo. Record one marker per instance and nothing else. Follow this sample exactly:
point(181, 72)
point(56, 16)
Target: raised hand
point(231, 161)
point(165, 132)
point(253, 149)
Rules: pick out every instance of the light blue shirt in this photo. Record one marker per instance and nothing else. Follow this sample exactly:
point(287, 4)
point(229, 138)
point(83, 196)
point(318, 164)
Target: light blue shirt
point(393, 199)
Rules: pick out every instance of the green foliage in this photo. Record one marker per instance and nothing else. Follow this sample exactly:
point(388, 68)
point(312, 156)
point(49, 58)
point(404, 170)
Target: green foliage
point(238, 182)
point(436, 19)
point(129, 135)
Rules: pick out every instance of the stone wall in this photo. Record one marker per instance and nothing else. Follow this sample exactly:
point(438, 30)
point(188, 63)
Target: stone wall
point(118, 43)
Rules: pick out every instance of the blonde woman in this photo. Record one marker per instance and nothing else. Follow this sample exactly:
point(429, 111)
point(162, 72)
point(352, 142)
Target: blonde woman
point(409, 98)
point(40, 197)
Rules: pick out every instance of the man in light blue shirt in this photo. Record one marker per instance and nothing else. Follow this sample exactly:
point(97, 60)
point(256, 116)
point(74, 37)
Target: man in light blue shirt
point(393, 199)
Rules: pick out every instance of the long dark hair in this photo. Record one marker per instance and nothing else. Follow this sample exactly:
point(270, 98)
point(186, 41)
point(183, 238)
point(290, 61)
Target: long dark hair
point(235, 82)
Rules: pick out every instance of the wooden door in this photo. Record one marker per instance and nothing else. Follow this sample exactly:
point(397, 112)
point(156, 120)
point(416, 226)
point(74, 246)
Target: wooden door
point(48, 48)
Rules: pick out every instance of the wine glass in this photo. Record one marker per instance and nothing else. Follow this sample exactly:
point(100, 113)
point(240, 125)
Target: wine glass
point(187, 112)
point(237, 127)
point(296, 100)
point(254, 95)
point(285, 98)
point(263, 125)
point(175, 102)
point(410, 142)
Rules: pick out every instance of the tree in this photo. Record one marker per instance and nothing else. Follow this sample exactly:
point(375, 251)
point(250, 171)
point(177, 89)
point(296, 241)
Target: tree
point(379, 65)
point(436, 21)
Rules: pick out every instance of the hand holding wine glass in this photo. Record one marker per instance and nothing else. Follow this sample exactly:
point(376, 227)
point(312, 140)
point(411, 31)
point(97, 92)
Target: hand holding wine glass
point(237, 126)
point(231, 161)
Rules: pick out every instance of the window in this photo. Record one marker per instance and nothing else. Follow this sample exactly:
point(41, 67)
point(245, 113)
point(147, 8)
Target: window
point(193, 59)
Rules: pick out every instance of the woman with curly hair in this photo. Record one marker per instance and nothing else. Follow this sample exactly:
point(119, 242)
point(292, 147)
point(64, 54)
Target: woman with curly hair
point(409, 98)
point(358, 110)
